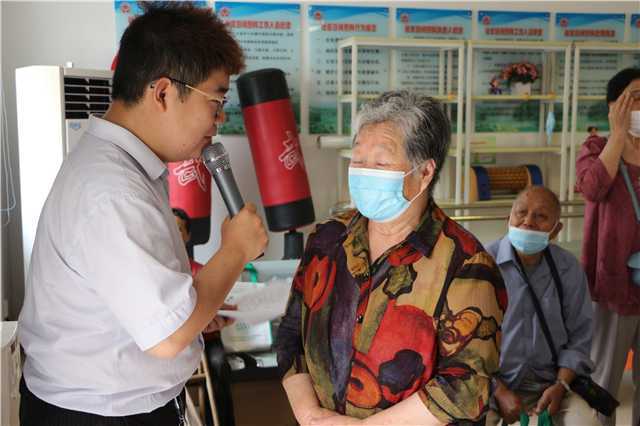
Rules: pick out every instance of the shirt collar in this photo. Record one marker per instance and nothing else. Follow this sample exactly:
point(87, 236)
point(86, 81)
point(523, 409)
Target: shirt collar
point(505, 252)
point(423, 238)
point(131, 144)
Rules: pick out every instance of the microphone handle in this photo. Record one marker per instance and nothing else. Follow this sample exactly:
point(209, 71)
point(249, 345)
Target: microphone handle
point(229, 190)
point(230, 193)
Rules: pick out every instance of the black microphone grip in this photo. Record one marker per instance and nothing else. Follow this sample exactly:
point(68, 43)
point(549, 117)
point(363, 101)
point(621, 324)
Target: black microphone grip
point(216, 160)
point(229, 190)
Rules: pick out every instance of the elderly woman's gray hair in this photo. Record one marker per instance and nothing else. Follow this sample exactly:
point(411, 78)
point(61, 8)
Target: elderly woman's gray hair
point(420, 119)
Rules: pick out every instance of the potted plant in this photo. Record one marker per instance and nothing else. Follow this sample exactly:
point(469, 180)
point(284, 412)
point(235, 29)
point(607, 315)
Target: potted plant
point(520, 76)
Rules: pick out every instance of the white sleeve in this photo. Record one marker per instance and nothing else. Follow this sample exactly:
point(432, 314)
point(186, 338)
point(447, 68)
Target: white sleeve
point(127, 255)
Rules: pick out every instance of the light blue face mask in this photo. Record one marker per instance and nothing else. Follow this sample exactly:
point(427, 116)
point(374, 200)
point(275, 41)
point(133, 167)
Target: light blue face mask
point(528, 242)
point(377, 194)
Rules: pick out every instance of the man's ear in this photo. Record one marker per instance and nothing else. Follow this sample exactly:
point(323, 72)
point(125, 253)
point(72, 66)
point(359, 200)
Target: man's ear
point(555, 232)
point(158, 92)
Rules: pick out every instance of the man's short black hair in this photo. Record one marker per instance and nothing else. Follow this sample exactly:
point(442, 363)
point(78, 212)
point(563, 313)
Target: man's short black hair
point(184, 216)
point(620, 81)
point(176, 40)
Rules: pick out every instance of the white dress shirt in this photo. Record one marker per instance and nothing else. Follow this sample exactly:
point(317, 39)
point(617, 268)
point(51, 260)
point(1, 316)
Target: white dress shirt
point(109, 278)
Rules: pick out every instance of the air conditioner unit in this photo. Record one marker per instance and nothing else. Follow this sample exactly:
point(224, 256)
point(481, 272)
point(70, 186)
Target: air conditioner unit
point(53, 105)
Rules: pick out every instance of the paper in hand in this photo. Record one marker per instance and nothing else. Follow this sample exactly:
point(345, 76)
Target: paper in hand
point(258, 302)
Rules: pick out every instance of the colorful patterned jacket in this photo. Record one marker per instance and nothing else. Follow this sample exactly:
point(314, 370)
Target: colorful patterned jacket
point(424, 317)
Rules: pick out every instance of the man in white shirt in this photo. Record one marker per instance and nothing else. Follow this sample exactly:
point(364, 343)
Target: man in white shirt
point(112, 318)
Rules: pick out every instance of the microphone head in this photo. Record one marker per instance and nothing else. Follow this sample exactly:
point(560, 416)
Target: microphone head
point(215, 156)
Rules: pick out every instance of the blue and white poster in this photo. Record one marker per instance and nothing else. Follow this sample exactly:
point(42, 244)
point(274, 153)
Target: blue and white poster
point(418, 70)
point(635, 28)
point(526, 26)
point(448, 24)
point(508, 26)
point(634, 37)
point(126, 11)
point(269, 34)
point(596, 68)
point(590, 26)
point(328, 25)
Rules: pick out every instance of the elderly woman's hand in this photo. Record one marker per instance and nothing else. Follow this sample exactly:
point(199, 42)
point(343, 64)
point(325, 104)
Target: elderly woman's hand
point(509, 403)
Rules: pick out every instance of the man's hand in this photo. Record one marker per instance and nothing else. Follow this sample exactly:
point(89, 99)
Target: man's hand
point(509, 403)
point(551, 399)
point(244, 234)
point(219, 322)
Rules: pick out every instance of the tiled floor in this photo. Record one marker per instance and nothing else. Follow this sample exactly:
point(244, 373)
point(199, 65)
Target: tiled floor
point(623, 417)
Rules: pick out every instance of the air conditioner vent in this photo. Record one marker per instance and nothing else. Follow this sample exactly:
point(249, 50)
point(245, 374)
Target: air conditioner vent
point(86, 96)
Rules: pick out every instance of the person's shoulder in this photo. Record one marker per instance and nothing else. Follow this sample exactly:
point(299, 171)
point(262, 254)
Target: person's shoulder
point(493, 247)
point(335, 226)
point(594, 144)
point(564, 259)
point(101, 168)
point(476, 268)
point(462, 238)
point(473, 260)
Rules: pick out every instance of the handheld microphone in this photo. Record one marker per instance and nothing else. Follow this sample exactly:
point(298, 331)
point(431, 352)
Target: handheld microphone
point(216, 158)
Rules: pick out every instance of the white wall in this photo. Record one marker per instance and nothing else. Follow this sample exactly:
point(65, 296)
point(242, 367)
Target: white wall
point(52, 33)
point(47, 33)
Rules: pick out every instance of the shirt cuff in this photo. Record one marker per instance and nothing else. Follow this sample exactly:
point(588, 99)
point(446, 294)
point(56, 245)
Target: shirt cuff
point(163, 326)
point(435, 409)
point(576, 361)
point(455, 402)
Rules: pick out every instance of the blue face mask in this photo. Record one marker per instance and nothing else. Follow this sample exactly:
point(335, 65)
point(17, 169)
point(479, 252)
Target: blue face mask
point(528, 242)
point(377, 194)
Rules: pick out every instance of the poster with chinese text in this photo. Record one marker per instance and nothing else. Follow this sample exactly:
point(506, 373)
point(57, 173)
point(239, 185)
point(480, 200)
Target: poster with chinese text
point(269, 34)
point(596, 68)
point(507, 26)
point(328, 25)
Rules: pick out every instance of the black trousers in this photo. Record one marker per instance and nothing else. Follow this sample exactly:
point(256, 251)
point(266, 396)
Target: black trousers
point(36, 412)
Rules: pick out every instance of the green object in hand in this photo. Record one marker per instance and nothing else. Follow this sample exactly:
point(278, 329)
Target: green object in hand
point(253, 273)
point(544, 419)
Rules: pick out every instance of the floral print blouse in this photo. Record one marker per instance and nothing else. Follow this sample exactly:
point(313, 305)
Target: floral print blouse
point(424, 317)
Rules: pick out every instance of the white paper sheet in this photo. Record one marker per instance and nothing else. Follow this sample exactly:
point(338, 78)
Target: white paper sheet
point(258, 302)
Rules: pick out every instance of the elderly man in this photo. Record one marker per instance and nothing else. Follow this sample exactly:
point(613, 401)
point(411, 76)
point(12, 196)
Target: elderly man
point(395, 310)
point(530, 379)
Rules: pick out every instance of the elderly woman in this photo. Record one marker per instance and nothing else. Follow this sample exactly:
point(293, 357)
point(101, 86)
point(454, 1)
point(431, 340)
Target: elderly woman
point(612, 236)
point(395, 311)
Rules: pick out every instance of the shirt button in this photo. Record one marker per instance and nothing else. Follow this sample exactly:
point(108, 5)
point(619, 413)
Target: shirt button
point(360, 318)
